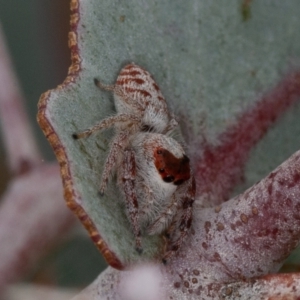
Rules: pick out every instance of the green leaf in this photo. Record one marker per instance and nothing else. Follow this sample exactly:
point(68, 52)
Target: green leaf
point(210, 63)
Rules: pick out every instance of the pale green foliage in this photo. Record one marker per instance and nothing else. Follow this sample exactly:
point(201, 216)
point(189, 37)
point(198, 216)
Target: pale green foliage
point(209, 63)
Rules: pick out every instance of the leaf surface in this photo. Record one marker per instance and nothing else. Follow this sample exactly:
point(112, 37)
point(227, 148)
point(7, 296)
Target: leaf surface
point(211, 63)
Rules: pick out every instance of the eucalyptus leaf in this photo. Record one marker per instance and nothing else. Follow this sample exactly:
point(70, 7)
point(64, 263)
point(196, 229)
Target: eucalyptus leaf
point(211, 62)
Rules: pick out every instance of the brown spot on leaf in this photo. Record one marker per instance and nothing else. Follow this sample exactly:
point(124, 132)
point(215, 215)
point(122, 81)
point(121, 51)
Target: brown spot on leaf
point(270, 188)
point(218, 208)
point(220, 227)
point(196, 272)
point(244, 218)
point(207, 226)
point(296, 179)
point(238, 223)
point(217, 256)
point(254, 210)
point(272, 175)
point(228, 291)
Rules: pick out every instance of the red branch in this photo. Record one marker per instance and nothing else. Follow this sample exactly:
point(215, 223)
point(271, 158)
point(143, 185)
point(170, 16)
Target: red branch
point(32, 212)
point(21, 147)
point(32, 217)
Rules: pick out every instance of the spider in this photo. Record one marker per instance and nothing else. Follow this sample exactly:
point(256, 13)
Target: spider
point(153, 171)
point(159, 190)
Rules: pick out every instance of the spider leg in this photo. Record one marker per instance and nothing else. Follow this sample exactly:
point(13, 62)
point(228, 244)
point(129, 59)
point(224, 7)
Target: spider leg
point(145, 207)
point(117, 146)
point(106, 123)
point(103, 86)
point(185, 220)
point(127, 184)
point(164, 218)
point(172, 125)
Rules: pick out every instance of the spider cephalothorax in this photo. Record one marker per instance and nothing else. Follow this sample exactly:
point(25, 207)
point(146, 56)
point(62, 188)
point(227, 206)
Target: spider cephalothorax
point(152, 168)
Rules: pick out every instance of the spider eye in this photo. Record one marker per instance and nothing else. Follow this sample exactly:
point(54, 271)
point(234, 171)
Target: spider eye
point(159, 151)
point(168, 178)
point(161, 170)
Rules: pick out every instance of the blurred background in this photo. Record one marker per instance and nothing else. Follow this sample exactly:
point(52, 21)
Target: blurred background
point(37, 38)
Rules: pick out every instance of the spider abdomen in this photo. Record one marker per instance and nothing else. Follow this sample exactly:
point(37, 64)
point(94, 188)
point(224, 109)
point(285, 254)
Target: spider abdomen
point(161, 167)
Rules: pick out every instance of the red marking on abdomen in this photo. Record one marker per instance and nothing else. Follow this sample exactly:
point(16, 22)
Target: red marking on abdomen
point(171, 168)
point(138, 80)
point(144, 93)
point(133, 90)
point(126, 80)
point(131, 72)
point(156, 87)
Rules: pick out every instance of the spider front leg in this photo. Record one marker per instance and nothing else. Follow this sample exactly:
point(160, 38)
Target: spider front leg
point(126, 179)
point(117, 146)
point(164, 219)
point(107, 123)
point(183, 224)
point(102, 86)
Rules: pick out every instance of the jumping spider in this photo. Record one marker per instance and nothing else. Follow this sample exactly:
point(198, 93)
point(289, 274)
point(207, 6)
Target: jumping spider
point(152, 169)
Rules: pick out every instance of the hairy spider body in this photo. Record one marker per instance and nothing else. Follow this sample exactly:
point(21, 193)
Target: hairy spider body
point(153, 171)
point(140, 107)
point(153, 153)
point(156, 173)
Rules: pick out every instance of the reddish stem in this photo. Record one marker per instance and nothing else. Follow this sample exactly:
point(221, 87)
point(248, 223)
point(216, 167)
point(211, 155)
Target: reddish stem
point(32, 218)
point(21, 147)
